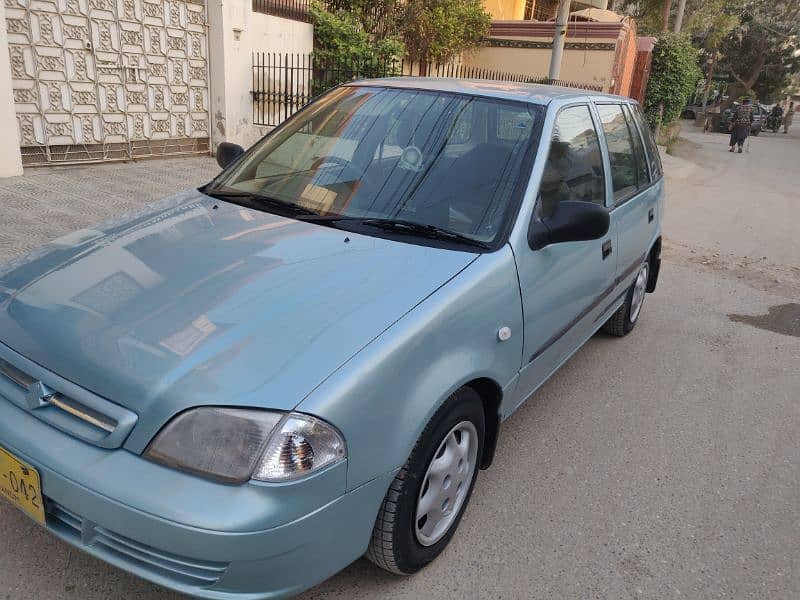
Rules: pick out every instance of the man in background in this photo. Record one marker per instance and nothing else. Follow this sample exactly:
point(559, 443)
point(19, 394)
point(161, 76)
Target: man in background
point(788, 117)
point(740, 124)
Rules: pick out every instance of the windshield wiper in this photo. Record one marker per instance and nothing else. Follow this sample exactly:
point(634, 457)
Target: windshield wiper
point(423, 230)
point(279, 206)
point(419, 229)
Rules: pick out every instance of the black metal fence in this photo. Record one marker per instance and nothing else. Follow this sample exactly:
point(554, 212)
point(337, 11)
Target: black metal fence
point(289, 9)
point(285, 83)
point(378, 18)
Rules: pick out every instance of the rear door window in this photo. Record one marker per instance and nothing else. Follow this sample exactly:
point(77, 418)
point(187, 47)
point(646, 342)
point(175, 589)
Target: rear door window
point(643, 172)
point(624, 174)
point(653, 157)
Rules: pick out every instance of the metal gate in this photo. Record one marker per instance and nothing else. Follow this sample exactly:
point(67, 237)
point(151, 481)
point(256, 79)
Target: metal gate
point(108, 79)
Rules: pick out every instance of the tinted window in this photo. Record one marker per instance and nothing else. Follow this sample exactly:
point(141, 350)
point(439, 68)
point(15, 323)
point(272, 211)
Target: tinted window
point(620, 150)
point(643, 173)
point(574, 168)
point(371, 153)
point(652, 150)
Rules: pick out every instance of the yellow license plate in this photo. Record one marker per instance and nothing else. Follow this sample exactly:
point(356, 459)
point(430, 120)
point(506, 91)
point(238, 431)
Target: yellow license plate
point(20, 484)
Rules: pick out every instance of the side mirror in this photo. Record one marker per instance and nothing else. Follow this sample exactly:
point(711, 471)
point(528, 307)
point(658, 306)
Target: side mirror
point(572, 221)
point(227, 153)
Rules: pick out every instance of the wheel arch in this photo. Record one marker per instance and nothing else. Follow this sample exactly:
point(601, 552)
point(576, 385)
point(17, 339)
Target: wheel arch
point(655, 265)
point(491, 395)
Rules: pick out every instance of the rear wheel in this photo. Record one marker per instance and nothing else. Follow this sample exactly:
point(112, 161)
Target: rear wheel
point(427, 498)
point(624, 320)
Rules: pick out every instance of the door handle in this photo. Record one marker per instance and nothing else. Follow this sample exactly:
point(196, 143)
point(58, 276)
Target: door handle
point(651, 214)
point(607, 249)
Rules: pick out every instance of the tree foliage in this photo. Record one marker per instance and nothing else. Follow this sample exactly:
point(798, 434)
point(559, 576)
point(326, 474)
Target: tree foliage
point(760, 53)
point(756, 41)
point(341, 37)
point(673, 76)
point(708, 22)
point(440, 30)
point(646, 12)
point(378, 30)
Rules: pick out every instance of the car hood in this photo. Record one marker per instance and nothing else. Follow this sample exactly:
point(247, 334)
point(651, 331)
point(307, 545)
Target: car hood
point(194, 301)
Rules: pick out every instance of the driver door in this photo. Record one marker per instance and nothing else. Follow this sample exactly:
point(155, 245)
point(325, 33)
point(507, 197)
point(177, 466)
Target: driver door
point(565, 287)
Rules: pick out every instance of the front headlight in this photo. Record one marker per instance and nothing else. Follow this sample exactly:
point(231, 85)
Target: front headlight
point(235, 445)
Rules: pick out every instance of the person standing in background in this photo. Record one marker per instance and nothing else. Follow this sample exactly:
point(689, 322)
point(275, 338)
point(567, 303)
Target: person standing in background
point(740, 124)
point(788, 117)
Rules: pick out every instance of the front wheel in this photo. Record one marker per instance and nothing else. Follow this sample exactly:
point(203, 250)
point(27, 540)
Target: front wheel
point(624, 320)
point(427, 498)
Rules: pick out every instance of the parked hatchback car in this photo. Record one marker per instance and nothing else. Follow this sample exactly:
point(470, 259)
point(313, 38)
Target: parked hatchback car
point(238, 391)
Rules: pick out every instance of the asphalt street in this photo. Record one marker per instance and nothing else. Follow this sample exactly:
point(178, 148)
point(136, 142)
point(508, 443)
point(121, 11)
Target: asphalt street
point(662, 465)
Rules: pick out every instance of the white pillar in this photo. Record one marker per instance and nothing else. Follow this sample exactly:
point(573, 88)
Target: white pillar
point(216, 71)
point(10, 157)
point(234, 33)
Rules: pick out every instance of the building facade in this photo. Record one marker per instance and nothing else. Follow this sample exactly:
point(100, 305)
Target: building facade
point(534, 10)
point(99, 80)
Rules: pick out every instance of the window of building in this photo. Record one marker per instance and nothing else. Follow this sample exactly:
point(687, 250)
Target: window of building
point(541, 10)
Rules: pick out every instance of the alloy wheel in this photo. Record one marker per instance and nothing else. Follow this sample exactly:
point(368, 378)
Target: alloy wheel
point(639, 289)
point(446, 483)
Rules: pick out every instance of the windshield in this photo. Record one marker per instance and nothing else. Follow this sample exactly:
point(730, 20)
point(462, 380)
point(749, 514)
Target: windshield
point(366, 155)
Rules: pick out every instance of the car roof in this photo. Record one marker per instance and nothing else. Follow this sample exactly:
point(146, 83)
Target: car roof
point(509, 90)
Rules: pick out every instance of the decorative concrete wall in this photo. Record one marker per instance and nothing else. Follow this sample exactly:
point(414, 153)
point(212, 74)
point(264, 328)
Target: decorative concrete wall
point(596, 54)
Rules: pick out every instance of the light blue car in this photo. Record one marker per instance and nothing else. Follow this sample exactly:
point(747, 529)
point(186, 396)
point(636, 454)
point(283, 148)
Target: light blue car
point(238, 391)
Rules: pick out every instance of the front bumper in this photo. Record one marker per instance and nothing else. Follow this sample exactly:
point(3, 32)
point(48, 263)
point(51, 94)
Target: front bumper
point(209, 540)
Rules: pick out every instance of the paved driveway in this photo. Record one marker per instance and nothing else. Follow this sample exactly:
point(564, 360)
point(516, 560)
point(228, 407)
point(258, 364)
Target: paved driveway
point(48, 202)
point(662, 465)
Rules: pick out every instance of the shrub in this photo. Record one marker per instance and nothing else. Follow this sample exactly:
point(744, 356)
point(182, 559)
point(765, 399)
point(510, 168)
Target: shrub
point(340, 38)
point(673, 76)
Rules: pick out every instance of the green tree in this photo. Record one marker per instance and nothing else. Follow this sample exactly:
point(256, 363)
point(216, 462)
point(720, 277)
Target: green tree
point(440, 30)
point(673, 76)
point(708, 22)
point(647, 13)
point(760, 53)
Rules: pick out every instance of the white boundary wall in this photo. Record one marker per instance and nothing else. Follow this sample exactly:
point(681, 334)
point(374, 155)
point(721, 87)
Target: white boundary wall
point(10, 157)
point(235, 33)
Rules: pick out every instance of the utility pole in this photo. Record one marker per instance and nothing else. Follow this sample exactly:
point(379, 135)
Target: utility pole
point(679, 16)
point(558, 39)
point(665, 15)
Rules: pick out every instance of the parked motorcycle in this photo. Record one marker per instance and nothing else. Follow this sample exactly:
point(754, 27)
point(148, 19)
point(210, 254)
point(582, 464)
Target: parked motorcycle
point(774, 123)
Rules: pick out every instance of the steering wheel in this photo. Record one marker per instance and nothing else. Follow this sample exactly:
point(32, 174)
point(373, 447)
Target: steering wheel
point(324, 162)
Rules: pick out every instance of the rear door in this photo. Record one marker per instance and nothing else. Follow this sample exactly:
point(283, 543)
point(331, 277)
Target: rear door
point(633, 209)
point(565, 286)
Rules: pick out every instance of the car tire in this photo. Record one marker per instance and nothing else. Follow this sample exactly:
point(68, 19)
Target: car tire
point(624, 320)
point(403, 541)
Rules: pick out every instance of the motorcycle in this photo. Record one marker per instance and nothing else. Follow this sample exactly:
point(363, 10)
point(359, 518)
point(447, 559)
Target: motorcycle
point(774, 122)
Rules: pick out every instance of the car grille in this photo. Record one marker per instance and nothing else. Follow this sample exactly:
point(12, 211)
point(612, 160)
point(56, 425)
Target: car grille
point(86, 416)
point(107, 543)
